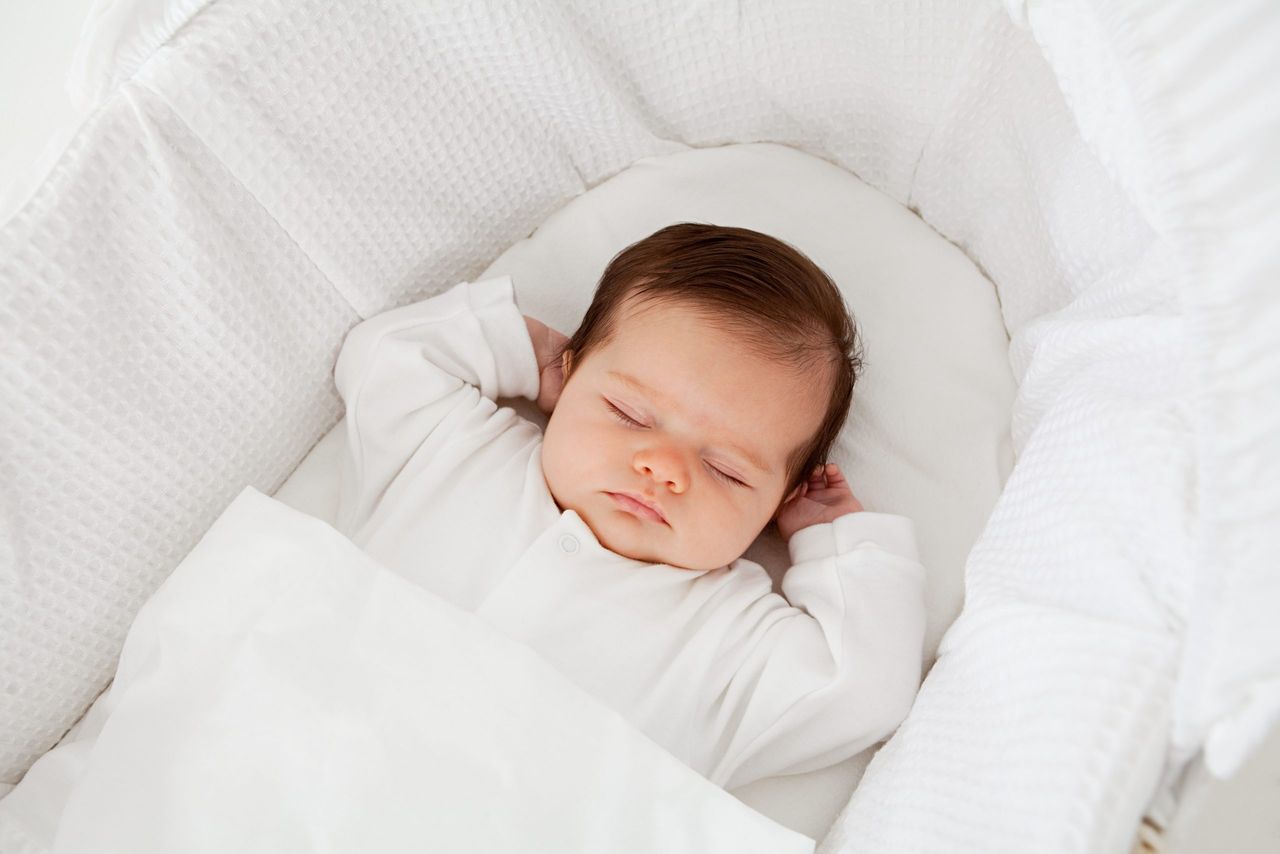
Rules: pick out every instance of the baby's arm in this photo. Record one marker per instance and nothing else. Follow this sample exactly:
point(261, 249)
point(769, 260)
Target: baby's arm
point(416, 374)
point(828, 682)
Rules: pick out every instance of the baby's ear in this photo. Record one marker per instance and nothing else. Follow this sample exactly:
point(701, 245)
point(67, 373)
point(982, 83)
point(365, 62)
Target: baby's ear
point(566, 362)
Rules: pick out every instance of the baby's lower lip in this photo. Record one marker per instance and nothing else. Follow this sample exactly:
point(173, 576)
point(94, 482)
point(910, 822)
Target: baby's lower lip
point(635, 507)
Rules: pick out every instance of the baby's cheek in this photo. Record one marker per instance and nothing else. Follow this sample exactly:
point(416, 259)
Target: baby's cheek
point(727, 524)
point(569, 454)
point(749, 521)
point(553, 459)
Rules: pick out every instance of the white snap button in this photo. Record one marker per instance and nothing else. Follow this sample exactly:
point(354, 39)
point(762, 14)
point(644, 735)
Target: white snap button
point(568, 544)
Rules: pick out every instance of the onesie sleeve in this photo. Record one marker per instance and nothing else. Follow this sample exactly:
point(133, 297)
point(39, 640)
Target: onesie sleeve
point(839, 670)
point(414, 375)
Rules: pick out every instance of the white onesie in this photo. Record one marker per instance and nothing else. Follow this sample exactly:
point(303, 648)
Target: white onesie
point(445, 487)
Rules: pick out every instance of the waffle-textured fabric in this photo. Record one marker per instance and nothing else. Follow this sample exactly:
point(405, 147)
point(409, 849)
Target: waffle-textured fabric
point(257, 176)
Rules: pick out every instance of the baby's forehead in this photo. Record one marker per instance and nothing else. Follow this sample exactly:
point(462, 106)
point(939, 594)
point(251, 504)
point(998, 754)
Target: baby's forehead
point(667, 316)
point(754, 342)
point(694, 364)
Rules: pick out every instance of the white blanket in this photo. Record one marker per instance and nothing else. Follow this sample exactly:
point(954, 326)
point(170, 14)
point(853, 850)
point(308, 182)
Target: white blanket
point(284, 692)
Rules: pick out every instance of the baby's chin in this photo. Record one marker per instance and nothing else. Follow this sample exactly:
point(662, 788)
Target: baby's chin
point(620, 537)
point(619, 534)
point(634, 538)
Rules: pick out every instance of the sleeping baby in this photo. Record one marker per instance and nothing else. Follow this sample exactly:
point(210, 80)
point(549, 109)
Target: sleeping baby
point(695, 405)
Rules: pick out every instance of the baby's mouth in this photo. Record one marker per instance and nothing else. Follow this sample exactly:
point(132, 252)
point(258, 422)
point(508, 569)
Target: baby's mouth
point(637, 508)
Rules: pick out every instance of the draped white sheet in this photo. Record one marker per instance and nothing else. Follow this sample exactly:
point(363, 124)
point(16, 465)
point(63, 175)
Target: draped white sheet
point(282, 691)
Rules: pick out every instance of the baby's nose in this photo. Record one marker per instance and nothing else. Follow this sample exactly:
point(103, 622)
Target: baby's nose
point(665, 467)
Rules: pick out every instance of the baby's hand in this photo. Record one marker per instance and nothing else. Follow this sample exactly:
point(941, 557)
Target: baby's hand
point(824, 498)
point(547, 346)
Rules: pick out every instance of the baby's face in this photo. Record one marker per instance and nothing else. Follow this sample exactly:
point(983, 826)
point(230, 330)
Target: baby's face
point(708, 410)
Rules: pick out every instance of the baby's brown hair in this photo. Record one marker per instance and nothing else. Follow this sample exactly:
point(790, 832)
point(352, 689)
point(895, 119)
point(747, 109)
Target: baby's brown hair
point(751, 285)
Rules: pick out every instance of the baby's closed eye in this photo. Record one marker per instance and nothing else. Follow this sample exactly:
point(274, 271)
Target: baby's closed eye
point(631, 422)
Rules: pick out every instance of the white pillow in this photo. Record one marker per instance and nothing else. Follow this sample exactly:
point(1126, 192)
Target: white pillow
point(928, 432)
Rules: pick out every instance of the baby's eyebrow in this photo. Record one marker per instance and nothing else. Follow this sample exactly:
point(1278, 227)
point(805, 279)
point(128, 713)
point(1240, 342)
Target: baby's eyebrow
point(748, 455)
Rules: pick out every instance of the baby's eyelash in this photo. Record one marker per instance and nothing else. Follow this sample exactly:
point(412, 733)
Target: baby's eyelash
point(724, 476)
point(628, 420)
point(622, 416)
